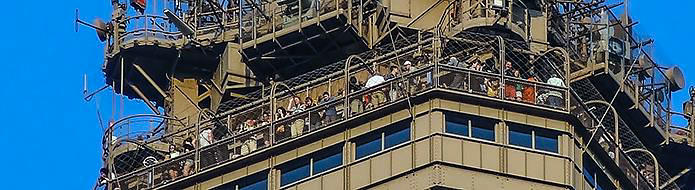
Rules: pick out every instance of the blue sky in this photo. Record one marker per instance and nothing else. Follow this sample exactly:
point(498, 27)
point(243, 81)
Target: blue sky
point(50, 137)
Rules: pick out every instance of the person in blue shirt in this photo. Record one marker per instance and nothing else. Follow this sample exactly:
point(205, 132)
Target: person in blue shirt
point(330, 114)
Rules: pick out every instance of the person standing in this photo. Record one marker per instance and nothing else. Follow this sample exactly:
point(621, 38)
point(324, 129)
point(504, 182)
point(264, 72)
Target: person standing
point(330, 114)
point(555, 96)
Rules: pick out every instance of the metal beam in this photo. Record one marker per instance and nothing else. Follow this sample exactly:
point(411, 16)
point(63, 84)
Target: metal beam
point(188, 98)
point(206, 94)
point(149, 79)
point(674, 178)
point(144, 98)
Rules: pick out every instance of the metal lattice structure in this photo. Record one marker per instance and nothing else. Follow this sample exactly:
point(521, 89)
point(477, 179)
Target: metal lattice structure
point(239, 80)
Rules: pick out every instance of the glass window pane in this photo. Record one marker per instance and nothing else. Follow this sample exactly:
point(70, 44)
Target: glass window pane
point(328, 159)
point(457, 128)
point(294, 171)
point(258, 181)
point(520, 135)
point(398, 135)
point(259, 185)
point(368, 145)
point(483, 129)
point(546, 140)
point(457, 123)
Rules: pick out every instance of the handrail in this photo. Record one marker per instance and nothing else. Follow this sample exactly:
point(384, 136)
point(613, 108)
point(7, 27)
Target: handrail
point(267, 134)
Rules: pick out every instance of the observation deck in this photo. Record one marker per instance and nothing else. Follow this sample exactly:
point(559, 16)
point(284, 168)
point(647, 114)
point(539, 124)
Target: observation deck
point(246, 130)
point(300, 70)
point(265, 35)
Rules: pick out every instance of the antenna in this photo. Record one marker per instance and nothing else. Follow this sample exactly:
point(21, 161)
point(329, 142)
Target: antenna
point(99, 25)
point(88, 97)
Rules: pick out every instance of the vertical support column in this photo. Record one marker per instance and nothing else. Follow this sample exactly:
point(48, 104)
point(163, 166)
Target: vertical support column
point(241, 20)
point(652, 98)
point(183, 105)
point(436, 54)
point(255, 27)
point(349, 11)
point(359, 19)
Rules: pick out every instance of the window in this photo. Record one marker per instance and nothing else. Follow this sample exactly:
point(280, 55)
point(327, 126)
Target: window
point(594, 175)
point(310, 165)
point(398, 133)
point(258, 181)
point(470, 126)
point(379, 140)
point(533, 137)
point(485, 132)
point(458, 128)
point(520, 136)
point(546, 140)
point(328, 159)
point(294, 171)
point(367, 145)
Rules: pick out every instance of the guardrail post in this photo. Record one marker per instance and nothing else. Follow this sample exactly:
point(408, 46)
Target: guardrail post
point(196, 163)
point(503, 62)
point(255, 27)
point(346, 92)
point(273, 106)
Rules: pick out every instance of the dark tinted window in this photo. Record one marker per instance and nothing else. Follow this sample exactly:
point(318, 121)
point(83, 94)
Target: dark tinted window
point(258, 185)
point(397, 134)
point(457, 124)
point(457, 128)
point(520, 136)
point(593, 174)
point(328, 159)
point(258, 181)
point(546, 140)
point(294, 171)
point(483, 129)
point(367, 145)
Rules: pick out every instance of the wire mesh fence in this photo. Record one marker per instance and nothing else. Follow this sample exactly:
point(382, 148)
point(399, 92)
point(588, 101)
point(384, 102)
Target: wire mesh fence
point(627, 138)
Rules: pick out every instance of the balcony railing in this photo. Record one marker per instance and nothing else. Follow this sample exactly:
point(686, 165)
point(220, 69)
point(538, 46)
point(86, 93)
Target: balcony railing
point(248, 21)
point(262, 124)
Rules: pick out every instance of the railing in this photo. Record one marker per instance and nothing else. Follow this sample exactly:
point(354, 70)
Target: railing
point(459, 11)
point(491, 85)
point(250, 21)
point(607, 142)
point(261, 124)
point(148, 27)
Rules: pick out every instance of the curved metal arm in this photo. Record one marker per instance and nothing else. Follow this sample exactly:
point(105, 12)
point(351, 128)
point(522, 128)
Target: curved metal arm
point(273, 103)
point(656, 163)
point(441, 18)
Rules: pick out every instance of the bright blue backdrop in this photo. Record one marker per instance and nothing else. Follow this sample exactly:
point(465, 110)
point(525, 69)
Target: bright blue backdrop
point(50, 137)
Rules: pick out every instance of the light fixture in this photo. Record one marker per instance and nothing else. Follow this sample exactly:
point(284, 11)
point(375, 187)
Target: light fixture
point(675, 78)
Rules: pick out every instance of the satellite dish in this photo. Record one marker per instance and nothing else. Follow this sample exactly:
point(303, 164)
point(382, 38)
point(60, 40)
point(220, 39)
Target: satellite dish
point(675, 78)
point(100, 25)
